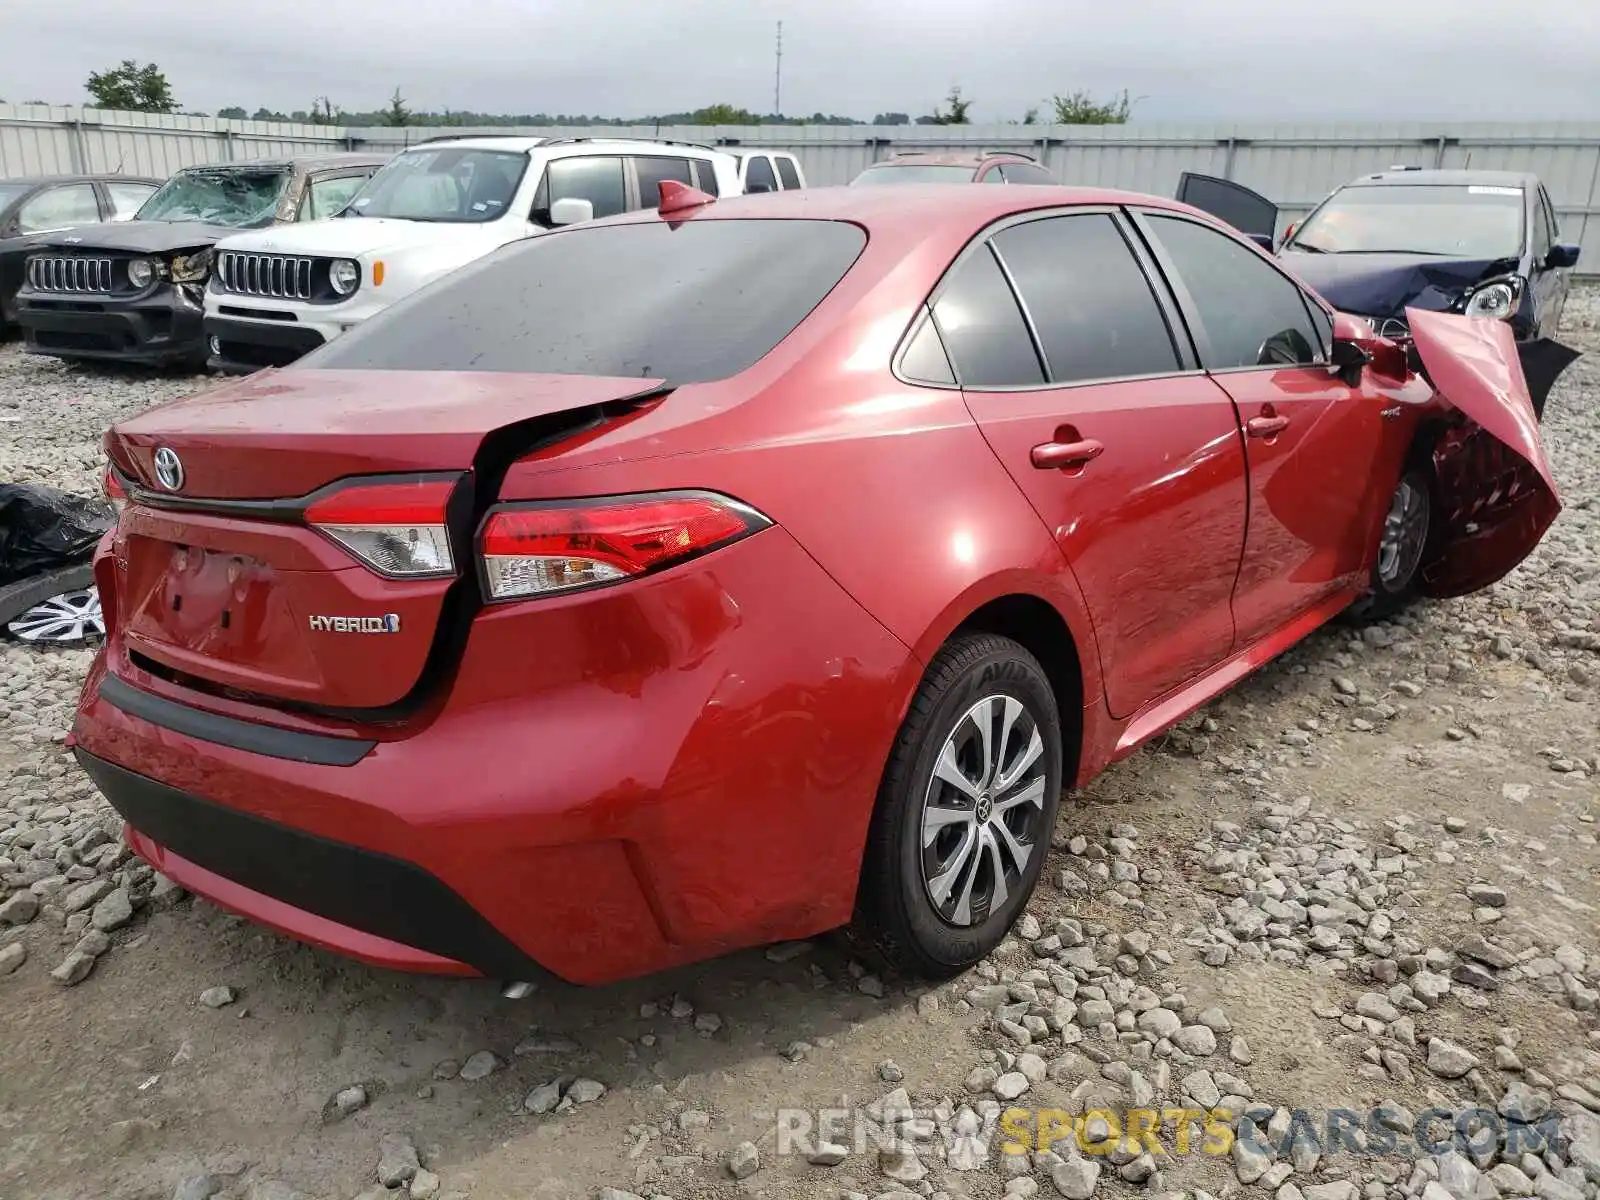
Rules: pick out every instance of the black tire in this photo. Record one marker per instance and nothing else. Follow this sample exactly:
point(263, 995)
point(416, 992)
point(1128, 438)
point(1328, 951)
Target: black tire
point(896, 919)
point(1393, 583)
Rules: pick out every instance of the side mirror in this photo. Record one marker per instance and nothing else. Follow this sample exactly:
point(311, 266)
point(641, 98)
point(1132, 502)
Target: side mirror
point(1349, 359)
point(571, 211)
point(1562, 254)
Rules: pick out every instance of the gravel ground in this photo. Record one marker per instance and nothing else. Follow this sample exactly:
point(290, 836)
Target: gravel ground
point(1366, 880)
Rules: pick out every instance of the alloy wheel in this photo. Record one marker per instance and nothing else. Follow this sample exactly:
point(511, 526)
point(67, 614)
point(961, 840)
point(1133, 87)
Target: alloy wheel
point(982, 813)
point(69, 617)
point(1405, 533)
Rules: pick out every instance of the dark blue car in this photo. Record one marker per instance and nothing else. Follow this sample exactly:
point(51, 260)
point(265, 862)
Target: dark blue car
point(1483, 243)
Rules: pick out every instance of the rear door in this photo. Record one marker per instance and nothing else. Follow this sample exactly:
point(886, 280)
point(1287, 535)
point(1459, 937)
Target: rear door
point(1249, 212)
point(1315, 446)
point(650, 172)
point(1127, 452)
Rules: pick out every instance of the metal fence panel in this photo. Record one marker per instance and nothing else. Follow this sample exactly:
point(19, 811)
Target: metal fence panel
point(1293, 164)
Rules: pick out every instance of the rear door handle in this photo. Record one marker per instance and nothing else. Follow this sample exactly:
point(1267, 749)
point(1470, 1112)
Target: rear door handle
point(1052, 456)
point(1266, 426)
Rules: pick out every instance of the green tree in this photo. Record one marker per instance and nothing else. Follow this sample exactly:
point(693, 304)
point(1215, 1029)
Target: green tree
point(131, 88)
point(722, 114)
point(954, 112)
point(234, 113)
point(1080, 108)
point(397, 113)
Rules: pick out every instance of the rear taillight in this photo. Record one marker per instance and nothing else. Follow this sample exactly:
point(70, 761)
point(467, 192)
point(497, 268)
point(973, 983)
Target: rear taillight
point(539, 549)
point(111, 488)
point(398, 529)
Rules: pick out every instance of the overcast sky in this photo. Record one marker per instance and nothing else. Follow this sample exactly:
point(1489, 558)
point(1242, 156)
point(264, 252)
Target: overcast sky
point(1228, 60)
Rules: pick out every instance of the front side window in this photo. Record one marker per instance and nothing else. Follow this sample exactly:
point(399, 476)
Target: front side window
point(1543, 235)
point(639, 300)
point(788, 173)
point(922, 173)
point(1455, 221)
point(1252, 314)
point(1088, 297)
point(596, 178)
point(653, 172)
point(451, 184)
point(328, 197)
point(234, 197)
point(706, 177)
point(127, 198)
point(983, 329)
point(758, 176)
point(59, 208)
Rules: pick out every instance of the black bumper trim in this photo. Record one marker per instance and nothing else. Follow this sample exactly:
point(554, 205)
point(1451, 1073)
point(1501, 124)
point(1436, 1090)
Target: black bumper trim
point(293, 745)
point(362, 889)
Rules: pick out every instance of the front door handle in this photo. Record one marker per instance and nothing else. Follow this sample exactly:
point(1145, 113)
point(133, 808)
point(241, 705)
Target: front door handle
point(1052, 456)
point(1265, 427)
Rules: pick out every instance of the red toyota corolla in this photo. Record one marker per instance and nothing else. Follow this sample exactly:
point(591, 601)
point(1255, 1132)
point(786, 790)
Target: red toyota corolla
point(741, 570)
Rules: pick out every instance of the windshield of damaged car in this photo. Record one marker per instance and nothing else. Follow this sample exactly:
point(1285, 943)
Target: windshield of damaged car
point(451, 183)
point(1455, 221)
point(925, 173)
point(218, 196)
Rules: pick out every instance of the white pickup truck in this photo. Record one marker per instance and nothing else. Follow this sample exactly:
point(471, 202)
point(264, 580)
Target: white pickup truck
point(276, 294)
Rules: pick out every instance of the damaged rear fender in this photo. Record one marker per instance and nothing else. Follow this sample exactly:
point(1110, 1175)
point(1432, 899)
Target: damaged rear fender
point(1496, 495)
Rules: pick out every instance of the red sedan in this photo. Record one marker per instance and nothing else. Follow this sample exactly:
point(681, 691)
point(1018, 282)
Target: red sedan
point(746, 569)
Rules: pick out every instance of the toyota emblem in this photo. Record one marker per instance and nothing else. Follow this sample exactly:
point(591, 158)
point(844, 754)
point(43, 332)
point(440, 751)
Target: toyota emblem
point(169, 469)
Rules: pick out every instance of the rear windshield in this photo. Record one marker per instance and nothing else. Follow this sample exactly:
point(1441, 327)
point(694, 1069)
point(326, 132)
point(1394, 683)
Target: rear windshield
point(1455, 221)
point(698, 302)
point(927, 173)
point(240, 199)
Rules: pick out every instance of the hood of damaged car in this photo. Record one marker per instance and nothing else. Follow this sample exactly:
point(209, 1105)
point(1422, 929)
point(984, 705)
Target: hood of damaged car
point(1496, 493)
point(140, 237)
point(1380, 285)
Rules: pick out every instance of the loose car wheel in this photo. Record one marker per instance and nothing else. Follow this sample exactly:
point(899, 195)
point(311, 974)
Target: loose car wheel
point(965, 812)
point(1401, 543)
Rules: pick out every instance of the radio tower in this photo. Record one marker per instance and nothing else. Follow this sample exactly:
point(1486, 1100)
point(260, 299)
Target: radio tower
point(777, 80)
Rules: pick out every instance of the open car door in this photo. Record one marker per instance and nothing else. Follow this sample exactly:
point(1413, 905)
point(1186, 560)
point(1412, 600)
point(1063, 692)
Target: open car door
point(1496, 495)
point(1250, 213)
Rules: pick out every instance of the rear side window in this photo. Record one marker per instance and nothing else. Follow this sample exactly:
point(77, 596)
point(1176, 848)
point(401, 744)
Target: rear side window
point(982, 327)
point(1251, 313)
point(706, 172)
point(652, 171)
point(758, 176)
point(1088, 297)
point(691, 304)
point(787, 173)
point(1026, 173)
point(597, 179)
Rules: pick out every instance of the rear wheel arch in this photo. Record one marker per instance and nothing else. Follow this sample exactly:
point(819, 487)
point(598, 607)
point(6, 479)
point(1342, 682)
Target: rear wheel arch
point(1040, 629)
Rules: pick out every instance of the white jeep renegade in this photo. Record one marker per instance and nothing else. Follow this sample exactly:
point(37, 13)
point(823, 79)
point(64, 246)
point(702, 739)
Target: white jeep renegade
point(276, 294)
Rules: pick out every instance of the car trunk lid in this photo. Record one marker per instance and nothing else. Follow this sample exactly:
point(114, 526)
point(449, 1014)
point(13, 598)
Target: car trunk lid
point(306, 536)
point(1496, 493)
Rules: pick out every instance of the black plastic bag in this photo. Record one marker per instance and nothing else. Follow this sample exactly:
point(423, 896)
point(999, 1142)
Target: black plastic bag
point(42, 529)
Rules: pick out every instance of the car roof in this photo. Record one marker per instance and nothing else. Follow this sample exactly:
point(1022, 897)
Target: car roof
point(912, 205)
point(106, 176)
point(958, 158)
point(298, 162)
point(1448, 178)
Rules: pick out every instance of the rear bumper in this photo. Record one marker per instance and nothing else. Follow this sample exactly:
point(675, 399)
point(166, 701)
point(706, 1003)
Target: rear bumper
point(160, 328)
point(616, 784)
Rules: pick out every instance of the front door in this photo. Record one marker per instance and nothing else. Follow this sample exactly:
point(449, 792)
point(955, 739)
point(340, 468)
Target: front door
point(1314, 445)
point(1129, 454)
